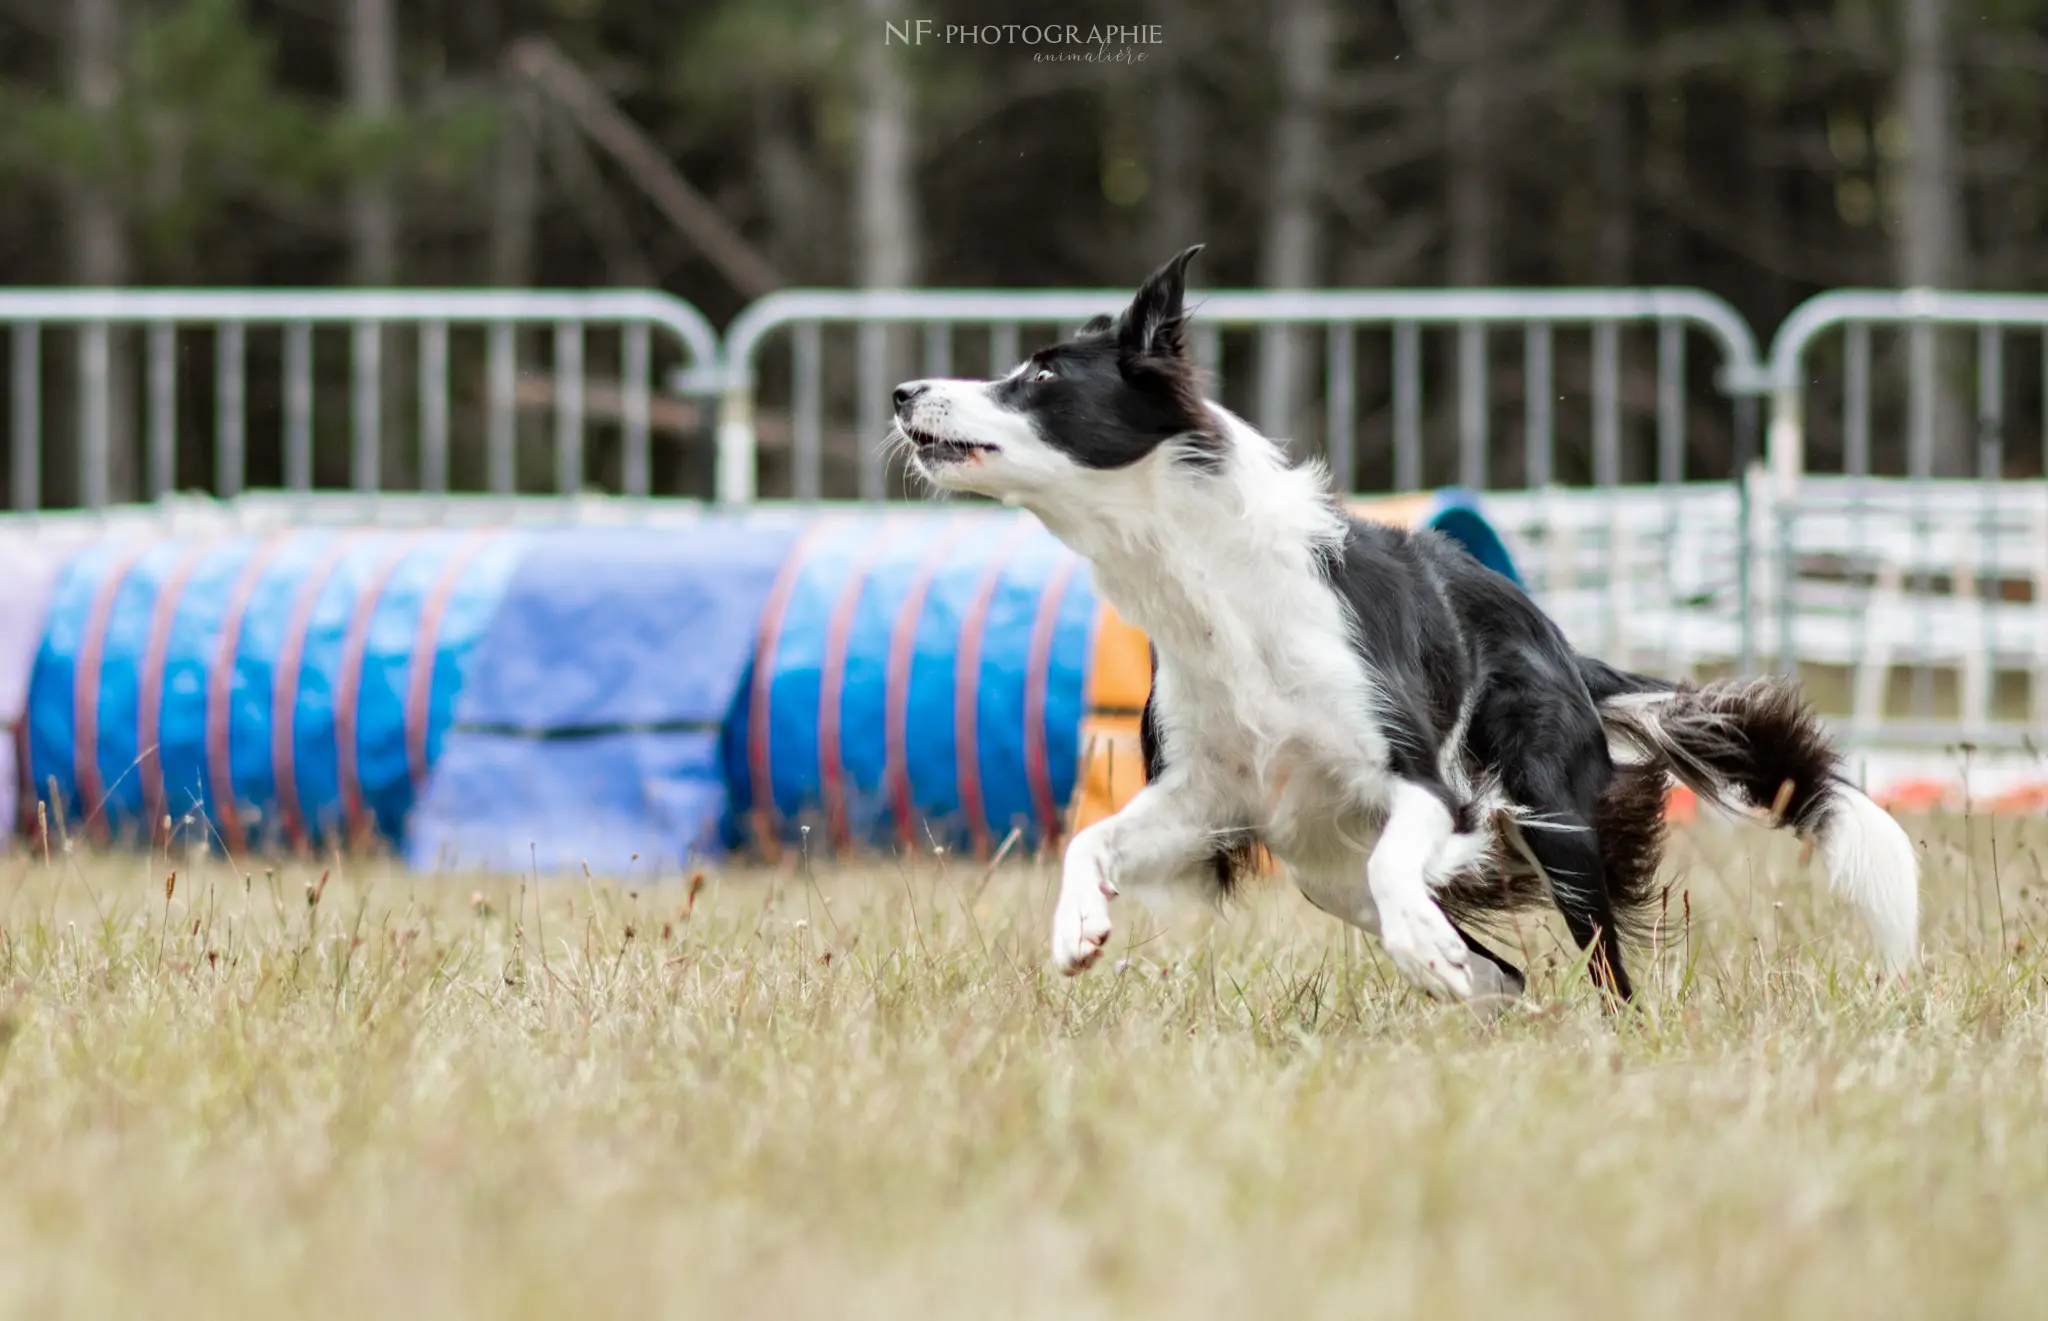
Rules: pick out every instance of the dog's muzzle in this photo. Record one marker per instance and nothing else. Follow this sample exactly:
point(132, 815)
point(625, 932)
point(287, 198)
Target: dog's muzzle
point(933, 449)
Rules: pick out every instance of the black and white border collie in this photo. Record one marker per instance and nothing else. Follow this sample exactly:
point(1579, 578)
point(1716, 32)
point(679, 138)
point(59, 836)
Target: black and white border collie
point(1400, 726)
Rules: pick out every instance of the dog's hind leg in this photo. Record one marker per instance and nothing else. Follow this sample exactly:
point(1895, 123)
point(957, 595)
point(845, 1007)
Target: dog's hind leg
point(1553, 762)
point(1492, 975)
point(1347, 898)
point(1566, 845)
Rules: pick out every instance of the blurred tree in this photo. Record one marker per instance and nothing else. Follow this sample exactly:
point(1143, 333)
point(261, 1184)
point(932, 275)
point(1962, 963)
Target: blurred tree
point(1929, 230)
point(1304, 40)
point(1174, 179)
point(372, 78)
point(1613, 149)
point(885, 198)
point(98, 229)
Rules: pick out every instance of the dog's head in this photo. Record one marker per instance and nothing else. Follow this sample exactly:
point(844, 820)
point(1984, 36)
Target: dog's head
point(1118, 393)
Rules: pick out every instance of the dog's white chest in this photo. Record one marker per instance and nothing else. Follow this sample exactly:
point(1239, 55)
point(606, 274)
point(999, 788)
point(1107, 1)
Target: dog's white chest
point(1286, 743)
point(1262, 700)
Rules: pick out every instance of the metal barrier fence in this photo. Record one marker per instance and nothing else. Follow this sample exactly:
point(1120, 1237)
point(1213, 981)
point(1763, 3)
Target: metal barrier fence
point(649, 329)
point(1276, 319)
point(1944, 573)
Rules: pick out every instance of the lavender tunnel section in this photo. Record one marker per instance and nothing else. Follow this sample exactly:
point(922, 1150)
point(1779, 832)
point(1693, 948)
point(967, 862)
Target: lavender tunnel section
point(589, 727)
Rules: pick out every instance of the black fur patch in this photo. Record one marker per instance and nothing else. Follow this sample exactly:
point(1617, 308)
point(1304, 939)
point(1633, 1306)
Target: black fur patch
point(1235, 858)
point(1148, 724)
point(1632, 826)
point(1630, 821)
point(1604, 681)
point(1757, 737)
point(1488, 899)
point(1405, 627)
point(1121, 388)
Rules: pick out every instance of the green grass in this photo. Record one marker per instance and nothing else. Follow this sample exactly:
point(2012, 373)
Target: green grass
point(861, 1094)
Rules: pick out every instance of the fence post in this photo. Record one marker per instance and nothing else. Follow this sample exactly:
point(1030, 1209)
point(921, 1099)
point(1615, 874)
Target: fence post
point(735, 476)
point(1787, 463)
point(1787, 440)
point(1745, 590)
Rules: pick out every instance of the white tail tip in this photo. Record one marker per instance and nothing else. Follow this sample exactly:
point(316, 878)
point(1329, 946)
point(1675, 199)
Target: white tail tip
point(1871, 863)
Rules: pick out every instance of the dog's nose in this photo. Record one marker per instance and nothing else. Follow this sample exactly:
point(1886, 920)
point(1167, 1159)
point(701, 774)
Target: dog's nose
point(907, 393)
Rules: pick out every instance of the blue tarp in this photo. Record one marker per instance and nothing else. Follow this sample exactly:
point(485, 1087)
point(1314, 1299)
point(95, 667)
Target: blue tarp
point(588, 730)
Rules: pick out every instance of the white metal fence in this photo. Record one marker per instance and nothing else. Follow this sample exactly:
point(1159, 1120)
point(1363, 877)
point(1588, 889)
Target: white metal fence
point(1909, 544)
point(463, 343)
point(1370, 349)
point(1893, 542)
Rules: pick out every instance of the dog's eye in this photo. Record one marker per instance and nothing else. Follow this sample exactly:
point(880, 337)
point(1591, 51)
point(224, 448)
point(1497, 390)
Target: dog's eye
point(1043, 374)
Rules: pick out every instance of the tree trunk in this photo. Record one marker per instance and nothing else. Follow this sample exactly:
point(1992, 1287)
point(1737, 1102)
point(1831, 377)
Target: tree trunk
point(99, 236)
point(373, 97)
point(787, 186)
point(1176, 218)
point(372, 74)
point(885, 203)
point(515, 186)
point(1468, 125)
point(1930, 233)
point(1291, 256)
point(885, 188)
point(1614, 167)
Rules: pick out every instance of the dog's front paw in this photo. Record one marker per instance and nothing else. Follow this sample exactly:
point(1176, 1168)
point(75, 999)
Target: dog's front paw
point(1427, 950)
point(1080, 926)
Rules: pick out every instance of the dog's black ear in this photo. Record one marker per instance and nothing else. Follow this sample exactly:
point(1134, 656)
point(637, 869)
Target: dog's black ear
point(1095, 325)
point(1152, 326)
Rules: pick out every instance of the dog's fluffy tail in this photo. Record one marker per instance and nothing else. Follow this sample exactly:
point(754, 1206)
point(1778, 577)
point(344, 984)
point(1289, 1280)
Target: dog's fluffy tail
point(1752, 747)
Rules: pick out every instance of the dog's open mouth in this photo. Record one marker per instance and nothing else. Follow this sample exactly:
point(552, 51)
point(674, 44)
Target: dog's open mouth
point(943, 449)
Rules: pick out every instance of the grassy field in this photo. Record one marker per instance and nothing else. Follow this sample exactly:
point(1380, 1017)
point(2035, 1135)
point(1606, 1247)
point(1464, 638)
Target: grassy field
point(859, 1093)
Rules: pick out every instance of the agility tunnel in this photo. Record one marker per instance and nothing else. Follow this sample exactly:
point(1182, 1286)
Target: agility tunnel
point(625, 698)
point(269, 691)
point(919, 681)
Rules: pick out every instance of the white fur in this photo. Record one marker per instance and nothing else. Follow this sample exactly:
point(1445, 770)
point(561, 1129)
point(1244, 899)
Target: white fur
point(1418, 937)
point(1160, 834)
point(1268, 716)
point(1871, 864)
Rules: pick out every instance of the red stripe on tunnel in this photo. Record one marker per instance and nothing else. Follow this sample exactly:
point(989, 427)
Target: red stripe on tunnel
point(767, 827)
point(902, 651)
point(967, 685)
point(1037, 682)
point(220, 691)
point(419, 694)
point(149, 697)
point(284, 689)
point(349, 688)
point(832, 686)
point(85, 692)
